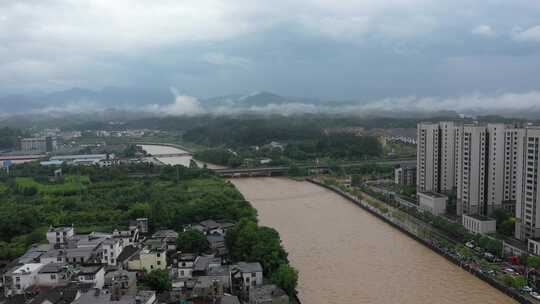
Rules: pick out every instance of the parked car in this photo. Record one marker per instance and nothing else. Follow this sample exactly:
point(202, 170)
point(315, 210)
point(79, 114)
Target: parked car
point(470, 244)
point(526, 289)
point(535, 295)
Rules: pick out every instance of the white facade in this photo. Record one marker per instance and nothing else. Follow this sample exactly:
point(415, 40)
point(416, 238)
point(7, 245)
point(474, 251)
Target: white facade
point(447, 158)
point(21, 278)
point(60, 235)
point(427, 170)
point(185, 267)
point(477, 225)
point(433, 203)
point(472, 168)
point(527, 200)
point(110, 250)
point(533, 246)
point(53, 275)
point(513, 163)
point(96, 276)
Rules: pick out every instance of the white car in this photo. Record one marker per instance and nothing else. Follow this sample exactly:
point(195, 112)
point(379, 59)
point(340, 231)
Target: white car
point(535, 295)
point(526, 289)
point(470, 245)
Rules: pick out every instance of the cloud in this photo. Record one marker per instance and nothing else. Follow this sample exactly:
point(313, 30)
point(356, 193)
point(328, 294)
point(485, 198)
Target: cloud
point(57, 44)
point(221, 59)
point(520, 104)
point(472, 103)
point(182, 105)
point(531, 34)
point(508, 103)
point(483, 30)
point(338, 28)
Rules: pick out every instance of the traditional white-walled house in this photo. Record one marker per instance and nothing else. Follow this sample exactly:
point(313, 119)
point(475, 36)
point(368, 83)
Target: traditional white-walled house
point(110, 250)
point(128, 237)
point(20, 278)
point(94, 275)
point(60, 236)
point(184, 263)
point(54, 275)
point(245, 276)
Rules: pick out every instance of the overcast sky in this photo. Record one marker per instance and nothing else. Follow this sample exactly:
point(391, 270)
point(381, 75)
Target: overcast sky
point(330, 49)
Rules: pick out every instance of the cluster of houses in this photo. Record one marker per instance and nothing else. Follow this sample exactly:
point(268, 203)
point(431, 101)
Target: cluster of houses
point(107, 267)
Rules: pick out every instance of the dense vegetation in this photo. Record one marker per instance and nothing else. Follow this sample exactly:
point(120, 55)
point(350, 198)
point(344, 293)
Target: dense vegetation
point(8, 137)
point(251, 243)
point(102, 199)
point(320, 147)
point(248, 132)
point(106, 198)
point(222, 157)
point(336, 147)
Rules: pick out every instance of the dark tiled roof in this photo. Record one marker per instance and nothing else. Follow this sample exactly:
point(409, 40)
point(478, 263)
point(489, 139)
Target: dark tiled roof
point(126, 253)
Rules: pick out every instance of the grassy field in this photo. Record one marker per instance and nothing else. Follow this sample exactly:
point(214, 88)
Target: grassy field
point(70, 185)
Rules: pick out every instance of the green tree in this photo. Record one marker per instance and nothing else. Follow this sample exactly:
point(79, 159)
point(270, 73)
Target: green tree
point(507, 279)
point(519, 282)
point(533, 261)
point(463, 251)
point(140, 210)
point(523, 259)
point(296, 171)
point(505, 222)
point(248, 242)
point(192, 241)
point(157, 280)
point(286, 277)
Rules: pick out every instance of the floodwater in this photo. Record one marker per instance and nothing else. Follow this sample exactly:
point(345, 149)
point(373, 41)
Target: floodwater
point(347, 256)
point(184, 160)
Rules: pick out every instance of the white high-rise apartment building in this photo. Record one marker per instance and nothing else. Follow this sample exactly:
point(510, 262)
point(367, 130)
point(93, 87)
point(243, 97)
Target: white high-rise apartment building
point(480, 162)
point(447, 131)
point(471, 151)
point(528, 196)
point(427, 157)
point(513, 163)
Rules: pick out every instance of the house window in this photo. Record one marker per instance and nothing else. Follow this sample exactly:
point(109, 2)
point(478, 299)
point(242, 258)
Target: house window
point(181, 272)
point(53, 276)
point(159, 262)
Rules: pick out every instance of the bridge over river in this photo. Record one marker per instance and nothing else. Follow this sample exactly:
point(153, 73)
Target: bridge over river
point(282, 170)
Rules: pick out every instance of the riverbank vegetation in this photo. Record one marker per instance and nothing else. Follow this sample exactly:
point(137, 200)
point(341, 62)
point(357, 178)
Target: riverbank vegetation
point(323, 148)
point(103, 199)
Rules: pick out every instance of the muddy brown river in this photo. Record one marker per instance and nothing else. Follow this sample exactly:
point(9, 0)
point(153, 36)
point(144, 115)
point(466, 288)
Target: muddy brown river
point(347, 256)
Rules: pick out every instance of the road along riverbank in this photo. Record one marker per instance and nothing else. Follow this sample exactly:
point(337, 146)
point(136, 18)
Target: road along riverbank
point(415, 235)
